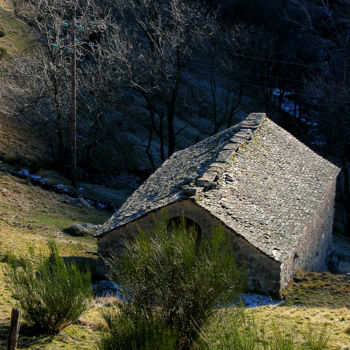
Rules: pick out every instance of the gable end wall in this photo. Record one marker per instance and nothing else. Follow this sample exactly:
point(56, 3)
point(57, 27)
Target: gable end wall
point(263, 272)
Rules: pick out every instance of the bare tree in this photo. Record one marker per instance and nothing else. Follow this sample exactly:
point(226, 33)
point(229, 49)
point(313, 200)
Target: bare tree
point(152, 50)
point(44, 76)
point(240, 46)
point(327, 93)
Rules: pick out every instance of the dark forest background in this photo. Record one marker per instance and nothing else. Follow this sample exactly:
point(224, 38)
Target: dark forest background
point(155, 76)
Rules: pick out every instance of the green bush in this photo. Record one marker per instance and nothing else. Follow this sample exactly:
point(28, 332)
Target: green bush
point(127, 333)
point(170, 275)
point(51, 293)
point(2, 33)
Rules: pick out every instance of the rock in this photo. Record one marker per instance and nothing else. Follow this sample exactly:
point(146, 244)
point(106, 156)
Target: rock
point(189, 191)
point(84, 202)
point(82, 229)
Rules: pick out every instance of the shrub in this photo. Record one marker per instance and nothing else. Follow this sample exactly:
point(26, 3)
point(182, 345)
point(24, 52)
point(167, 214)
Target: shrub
point(171, 275)
point(52, 294)
point(127, 333)
point(2, 33)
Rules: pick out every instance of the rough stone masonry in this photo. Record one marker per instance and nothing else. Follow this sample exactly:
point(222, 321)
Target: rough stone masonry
point(271, 193)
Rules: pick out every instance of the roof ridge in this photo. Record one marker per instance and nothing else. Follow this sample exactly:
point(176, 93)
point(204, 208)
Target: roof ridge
point(245, 131)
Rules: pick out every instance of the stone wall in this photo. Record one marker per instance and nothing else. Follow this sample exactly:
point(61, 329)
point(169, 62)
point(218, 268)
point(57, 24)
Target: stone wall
point(263, 273)
point(315, 247)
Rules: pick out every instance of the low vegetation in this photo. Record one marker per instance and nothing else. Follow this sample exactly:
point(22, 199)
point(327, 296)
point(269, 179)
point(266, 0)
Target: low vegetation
point(246, 333)
point(51, 292)
point(334, 289)
point(30, 216)
point(184, 276)
point(130, 333)
point(2, 52)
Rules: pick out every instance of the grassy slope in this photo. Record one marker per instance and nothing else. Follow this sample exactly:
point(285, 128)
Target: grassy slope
point(18, 35)
point(18, 138)
point(28, 217)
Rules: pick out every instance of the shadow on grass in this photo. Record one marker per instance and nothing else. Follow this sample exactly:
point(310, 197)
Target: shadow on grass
point(4, 332)
point(27, 336)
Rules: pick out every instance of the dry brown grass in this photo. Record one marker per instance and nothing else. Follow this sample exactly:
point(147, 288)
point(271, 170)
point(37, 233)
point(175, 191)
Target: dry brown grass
point(19, 140)
point(313, 289)
point(297, 319)
point(29, 216)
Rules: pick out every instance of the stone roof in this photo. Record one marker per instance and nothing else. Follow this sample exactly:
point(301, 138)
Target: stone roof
point(255, 177)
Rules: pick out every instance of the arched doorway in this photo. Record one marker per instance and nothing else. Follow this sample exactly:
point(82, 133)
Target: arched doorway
point(190, 226)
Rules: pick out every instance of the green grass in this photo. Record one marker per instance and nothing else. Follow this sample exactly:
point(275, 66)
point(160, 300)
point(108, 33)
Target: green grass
point(19, 35)
point(30, 215)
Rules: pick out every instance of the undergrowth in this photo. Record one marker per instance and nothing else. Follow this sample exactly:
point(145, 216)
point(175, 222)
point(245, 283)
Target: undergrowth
point(51, 292)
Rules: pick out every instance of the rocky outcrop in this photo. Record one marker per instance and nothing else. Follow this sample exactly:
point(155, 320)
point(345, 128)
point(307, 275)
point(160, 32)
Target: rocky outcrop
point(85, 229)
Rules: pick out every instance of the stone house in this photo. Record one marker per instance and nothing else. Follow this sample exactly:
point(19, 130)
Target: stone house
point(271, 193)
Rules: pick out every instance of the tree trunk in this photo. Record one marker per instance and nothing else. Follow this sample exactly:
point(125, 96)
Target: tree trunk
point(171, 132)
point(235, 106)
point(149, 155)
point(161, 136)
point(213, 91)
point(171, 107)
point(160, 133)
point(59, 121)
point(73, 121)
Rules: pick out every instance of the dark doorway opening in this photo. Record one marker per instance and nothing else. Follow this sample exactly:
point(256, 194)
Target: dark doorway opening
point(190, 226)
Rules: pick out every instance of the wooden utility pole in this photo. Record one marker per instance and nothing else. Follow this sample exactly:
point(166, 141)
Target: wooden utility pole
point(73, 120)
point(14, 329)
